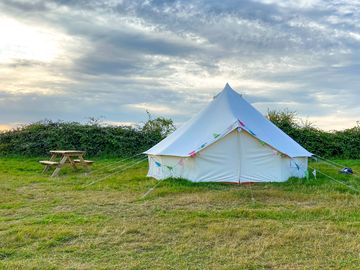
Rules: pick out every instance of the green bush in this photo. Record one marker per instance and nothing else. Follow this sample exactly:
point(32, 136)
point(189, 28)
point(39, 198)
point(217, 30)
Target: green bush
point(98, 140)
point(39, 138)
point(343, 144)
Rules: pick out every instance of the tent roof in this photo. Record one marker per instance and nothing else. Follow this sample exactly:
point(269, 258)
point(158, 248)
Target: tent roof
point(226, 112)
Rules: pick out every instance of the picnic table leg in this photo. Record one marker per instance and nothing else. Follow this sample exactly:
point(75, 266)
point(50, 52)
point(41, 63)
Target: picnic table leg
point(58, 167)
point(47, 167)
point(87, 168)
point(72, 163)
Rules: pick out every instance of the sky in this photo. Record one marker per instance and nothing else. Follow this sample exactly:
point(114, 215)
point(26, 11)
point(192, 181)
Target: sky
point(115, 59)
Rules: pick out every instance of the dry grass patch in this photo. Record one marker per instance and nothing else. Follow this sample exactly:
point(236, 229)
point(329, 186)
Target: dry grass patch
point(58, 224)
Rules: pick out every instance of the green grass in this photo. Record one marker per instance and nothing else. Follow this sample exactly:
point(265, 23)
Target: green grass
point(57, 223)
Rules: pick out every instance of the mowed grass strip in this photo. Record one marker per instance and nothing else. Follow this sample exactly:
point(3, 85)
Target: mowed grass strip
point(60, 223)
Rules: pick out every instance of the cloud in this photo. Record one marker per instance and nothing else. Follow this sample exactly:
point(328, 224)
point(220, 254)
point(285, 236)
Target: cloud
point(118, 58)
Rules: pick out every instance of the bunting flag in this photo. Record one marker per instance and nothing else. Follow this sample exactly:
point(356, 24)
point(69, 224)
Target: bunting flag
point(249, 130)
point(314, 173)
point(262, 142)
point(297, 166)
point(169, 167)
point(216, 135)
point(157, 164)
point(192, 154)
point(275, 152)
point(252, 133)
point(241, 123)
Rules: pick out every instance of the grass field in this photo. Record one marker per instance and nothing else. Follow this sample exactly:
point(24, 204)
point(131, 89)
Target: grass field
point(58, 223)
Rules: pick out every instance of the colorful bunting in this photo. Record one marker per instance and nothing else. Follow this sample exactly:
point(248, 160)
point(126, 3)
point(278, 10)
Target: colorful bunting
point(216, 135)
point(252, 133)
point(297, 166)
point(157, 164)
point(169, 167)
point(241, 123)
point(203, 145)
point(192, 154)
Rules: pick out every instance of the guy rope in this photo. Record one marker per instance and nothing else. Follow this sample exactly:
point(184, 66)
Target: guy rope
point(337, 166)
point(101, 168)
point(120, 168)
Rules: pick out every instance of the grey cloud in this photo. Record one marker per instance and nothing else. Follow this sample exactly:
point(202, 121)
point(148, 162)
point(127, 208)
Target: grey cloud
point(27, 7)
point(113, 105)
point(313, 48)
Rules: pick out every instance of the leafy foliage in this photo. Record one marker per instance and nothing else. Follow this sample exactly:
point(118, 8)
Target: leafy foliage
point(340, 144)
point(160, 126)
point(97, 140)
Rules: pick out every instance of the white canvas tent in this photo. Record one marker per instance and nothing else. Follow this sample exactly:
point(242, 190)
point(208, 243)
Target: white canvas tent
point(228, 141)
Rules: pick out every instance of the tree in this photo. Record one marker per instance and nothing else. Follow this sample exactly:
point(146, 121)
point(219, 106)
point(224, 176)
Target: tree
point(159, 126)
point(284, 119)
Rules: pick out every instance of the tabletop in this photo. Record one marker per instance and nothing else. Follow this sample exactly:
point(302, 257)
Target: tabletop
point(67, 152)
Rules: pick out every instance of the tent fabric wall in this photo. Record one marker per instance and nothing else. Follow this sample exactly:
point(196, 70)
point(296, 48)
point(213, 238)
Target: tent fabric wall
point(258, 162)
point(216, 163)
point(294, 167)
point(237, 157)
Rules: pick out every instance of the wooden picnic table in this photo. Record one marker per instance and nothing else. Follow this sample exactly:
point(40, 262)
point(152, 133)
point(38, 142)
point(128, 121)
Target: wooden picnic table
point(66, 156)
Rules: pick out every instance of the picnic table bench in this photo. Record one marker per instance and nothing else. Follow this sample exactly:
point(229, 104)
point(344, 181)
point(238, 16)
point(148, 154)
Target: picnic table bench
point(66, 156)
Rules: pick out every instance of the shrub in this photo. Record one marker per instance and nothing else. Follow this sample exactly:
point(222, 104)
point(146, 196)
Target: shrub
point(39, 138)
point(343, 144)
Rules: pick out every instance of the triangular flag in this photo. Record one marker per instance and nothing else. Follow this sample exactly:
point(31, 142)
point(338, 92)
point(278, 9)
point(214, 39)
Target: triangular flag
point(157, 164)
point(216, 135)
point(169, 167)
point(241, 123)
point(192, 154)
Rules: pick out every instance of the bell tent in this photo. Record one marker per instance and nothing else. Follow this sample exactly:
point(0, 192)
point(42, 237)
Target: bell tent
point(228, 141)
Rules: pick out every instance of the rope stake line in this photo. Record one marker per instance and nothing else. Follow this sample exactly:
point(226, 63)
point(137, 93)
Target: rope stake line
point(123, 169)
point(115, 162)
point(337, 165)
point(151, 189)
point(337, 181)
point(330, 161)
point(252, 194)
point(125, 164)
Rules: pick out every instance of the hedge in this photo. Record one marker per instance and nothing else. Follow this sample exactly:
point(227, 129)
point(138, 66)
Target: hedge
point(37, 139)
